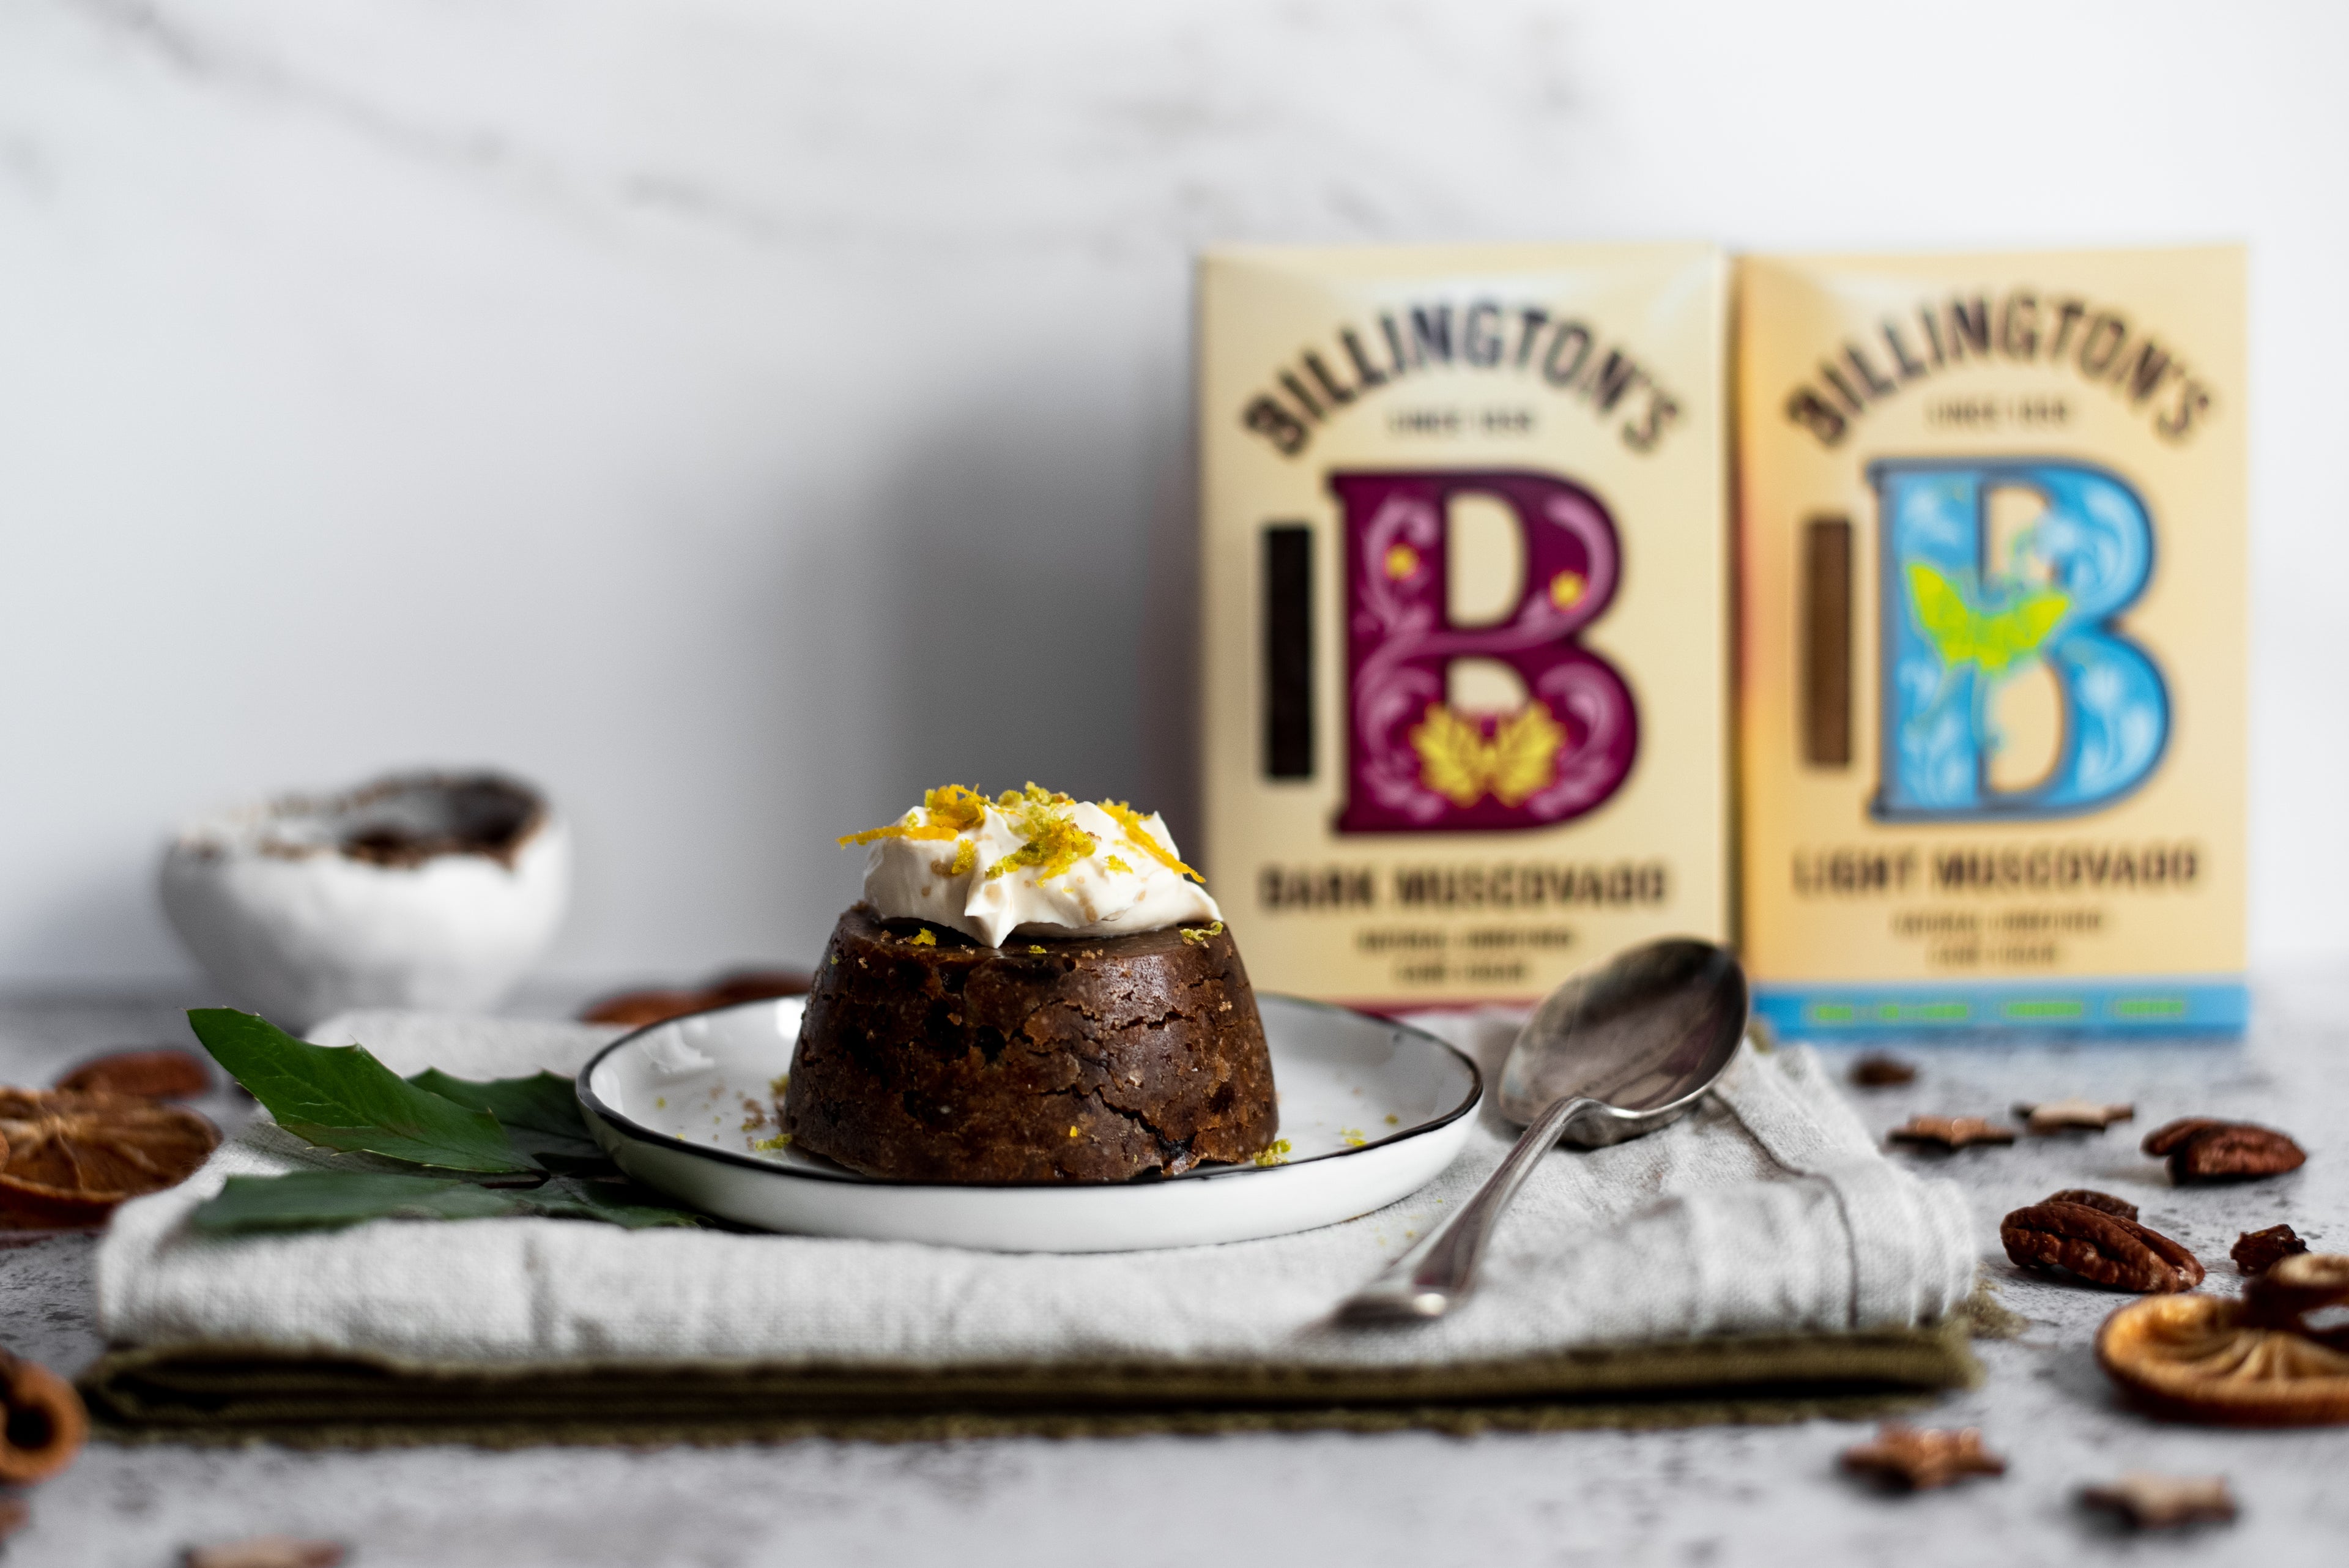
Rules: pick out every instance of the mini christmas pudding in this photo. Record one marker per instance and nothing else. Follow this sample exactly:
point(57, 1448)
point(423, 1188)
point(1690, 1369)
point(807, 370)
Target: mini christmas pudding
point(1033, 989)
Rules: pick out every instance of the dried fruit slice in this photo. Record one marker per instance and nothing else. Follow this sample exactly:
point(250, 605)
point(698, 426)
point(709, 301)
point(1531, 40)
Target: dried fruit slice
point(2256, 1252)
point(2293, 1287)
point(2199, 1359)
point(71, 1158)
point(2071, 1115)
point(1950, 1132)
point(2164, 1503)
point(164, 1073)
point(1918, 1459)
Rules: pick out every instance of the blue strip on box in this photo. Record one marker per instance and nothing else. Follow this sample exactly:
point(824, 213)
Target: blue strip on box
point(2206, 1005)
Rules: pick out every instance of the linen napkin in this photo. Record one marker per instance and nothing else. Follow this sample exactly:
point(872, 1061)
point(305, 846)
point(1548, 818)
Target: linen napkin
point(1760, 1257)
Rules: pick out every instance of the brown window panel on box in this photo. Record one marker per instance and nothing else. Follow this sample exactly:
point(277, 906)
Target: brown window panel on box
point(1288, 651)
point(1827, 643)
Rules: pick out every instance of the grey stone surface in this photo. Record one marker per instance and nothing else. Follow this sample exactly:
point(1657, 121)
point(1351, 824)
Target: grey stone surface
point(1753, 1495)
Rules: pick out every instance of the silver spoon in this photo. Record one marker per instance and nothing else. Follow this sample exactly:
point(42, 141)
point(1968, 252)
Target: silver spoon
point(1617, 1051)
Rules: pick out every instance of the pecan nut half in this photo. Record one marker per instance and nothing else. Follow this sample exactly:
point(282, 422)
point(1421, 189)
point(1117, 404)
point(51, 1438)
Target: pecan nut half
point(2093, 1199)
point(1878, 1070)
point(2169, 1134)
point(2106, 1248)
point(2201, 1149)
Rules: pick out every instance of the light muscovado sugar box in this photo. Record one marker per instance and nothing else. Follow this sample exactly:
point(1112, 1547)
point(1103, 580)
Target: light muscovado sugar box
point(1464, 611)
point(1993, 560)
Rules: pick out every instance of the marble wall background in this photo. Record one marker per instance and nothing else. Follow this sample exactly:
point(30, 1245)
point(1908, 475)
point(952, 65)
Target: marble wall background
point(739, 413)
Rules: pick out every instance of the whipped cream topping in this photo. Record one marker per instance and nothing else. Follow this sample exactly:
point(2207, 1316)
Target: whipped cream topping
point(1031, 863)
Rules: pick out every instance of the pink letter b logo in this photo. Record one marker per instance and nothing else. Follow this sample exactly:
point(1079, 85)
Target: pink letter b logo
point(1414, 763)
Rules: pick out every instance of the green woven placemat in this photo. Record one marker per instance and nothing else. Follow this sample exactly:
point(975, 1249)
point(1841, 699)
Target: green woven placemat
point(228, 1394)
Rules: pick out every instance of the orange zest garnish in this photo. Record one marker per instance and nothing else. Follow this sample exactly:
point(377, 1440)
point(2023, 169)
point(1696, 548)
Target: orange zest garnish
point(1135, 833)
point(1054, 841)
point(952, 805)
point(948, 811)
point(895, 830)
point(1034, 794)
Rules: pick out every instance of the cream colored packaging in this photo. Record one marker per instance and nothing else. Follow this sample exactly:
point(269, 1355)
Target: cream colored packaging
point(1463, 607)
point(1993, 561)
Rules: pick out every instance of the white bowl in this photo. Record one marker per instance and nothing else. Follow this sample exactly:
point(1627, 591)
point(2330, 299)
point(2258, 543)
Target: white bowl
point(426, 891)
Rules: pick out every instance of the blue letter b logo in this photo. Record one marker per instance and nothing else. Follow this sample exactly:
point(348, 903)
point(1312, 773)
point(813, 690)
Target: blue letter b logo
point(1957, 623)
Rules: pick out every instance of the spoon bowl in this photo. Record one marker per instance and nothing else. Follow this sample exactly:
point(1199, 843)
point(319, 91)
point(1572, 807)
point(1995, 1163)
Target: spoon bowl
point(1638, 1040)
point(1618, 1051)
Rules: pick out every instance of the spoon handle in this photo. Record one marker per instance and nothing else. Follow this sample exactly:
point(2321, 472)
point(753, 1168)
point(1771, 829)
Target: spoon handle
point(1436, 1273)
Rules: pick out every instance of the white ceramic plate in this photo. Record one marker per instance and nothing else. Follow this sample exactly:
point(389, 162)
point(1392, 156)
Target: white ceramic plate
point(1372, 1110)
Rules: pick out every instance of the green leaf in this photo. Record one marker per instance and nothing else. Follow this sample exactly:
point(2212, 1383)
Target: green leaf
point(613, 1202)
point(545, 1105)
point(331, 1200)
point(543, 1101)
point(561, 1162)
point(342, 1098)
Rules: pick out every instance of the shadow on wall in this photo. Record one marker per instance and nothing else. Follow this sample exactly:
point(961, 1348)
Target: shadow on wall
point(104, 930)
point(1042, 578)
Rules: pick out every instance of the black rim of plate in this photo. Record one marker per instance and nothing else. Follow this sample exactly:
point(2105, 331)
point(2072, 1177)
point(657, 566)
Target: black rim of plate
point(636, 1130)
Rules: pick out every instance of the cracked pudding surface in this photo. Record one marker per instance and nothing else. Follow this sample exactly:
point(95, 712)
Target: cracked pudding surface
point(926, 1056)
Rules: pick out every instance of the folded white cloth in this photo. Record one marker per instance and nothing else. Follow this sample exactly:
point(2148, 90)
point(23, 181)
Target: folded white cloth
point(1767, 1211)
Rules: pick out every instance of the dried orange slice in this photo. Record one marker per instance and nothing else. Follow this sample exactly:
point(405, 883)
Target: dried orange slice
point(70, 1158)
point(2296, 1285)
point(2212, 1358)
point(163, 1073)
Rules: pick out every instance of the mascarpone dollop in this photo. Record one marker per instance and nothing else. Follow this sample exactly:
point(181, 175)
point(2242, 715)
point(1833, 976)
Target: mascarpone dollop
point(1031, 863)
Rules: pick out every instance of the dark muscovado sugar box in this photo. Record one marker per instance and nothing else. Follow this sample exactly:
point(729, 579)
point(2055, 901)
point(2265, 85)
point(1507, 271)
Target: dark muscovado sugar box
point(1464, 611)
